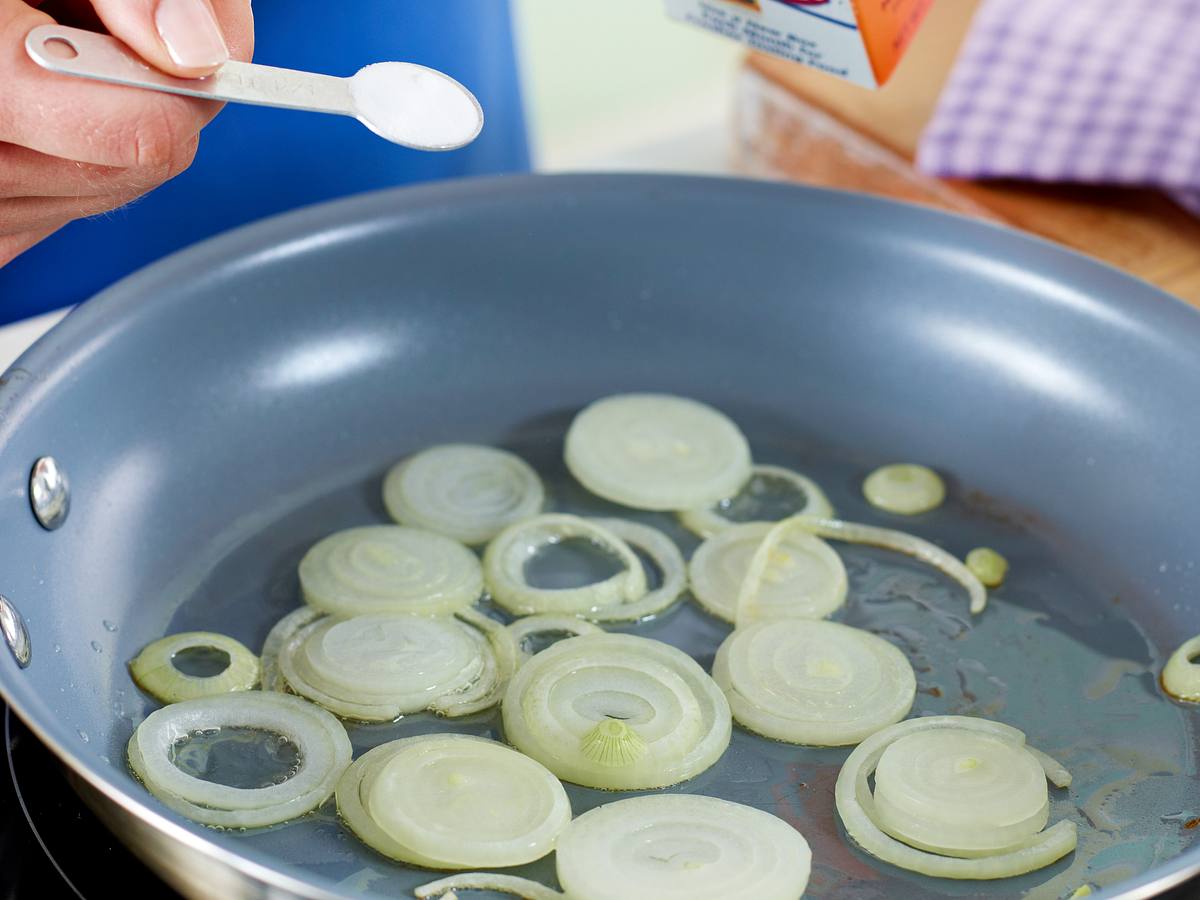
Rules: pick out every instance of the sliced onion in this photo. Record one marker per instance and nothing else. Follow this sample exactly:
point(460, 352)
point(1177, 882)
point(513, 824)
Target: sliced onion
point(453, 801)
point(807, 578)
point(674, 720)
point(707, 521)
point(324, 752)
point(486, 881)
point(657, 451)
point(802, 576)
point(499, 652)
point(155, 673)
point(901, 542)
point(280, 634)
point(389, 568)
point(960, 793)
point(378, 667)
point(526, 627)
point(904, 488)
point(813, 682)
point(681, 846)
point(1181, 676)
point(464, 491)
point(665, 554)
point(1056, 772)
point(988, 566)
point(506, 556)
point(936, 808)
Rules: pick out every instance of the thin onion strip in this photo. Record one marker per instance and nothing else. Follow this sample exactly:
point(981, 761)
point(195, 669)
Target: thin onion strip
point(1056, 772)
point(506, 556)
point(805, 578)
point(665, 554)
point(500, 661)
point(709, 520)
point(487, 881)
point(282, 632)
point(901, 542)
point(526, 627)
point(749, 606)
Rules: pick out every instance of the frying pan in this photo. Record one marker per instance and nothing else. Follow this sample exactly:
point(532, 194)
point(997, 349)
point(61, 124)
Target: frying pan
point(221, 410)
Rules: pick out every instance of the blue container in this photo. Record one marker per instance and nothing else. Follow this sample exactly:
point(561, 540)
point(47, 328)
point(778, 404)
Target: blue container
point(254, 161)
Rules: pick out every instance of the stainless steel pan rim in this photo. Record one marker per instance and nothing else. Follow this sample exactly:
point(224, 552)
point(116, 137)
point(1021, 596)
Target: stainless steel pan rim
point(283, 236)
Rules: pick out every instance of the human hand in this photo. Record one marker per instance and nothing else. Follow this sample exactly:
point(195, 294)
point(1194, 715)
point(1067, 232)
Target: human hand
point(71, 147)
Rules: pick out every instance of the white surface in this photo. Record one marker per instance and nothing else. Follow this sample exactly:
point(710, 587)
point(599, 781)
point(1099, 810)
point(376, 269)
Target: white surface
point(15, 338)
point(619, 85)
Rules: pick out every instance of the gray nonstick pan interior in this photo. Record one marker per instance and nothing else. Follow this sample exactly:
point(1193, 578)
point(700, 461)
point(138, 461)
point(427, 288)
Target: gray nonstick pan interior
point(220, 411)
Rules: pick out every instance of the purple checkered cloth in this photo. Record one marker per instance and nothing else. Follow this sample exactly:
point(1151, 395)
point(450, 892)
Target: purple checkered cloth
point(1094, 91)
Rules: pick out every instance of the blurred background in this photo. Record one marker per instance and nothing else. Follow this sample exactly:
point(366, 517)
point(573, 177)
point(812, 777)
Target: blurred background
point(591, 86)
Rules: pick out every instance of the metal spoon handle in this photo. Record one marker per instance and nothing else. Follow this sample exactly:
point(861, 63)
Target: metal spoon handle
point(86, 54)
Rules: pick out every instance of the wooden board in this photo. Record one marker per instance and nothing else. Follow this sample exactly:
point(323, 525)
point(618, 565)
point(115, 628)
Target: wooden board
point(822, 130)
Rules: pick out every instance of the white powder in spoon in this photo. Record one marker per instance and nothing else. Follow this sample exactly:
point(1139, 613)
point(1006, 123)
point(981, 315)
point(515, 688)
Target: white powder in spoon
point(415, 106)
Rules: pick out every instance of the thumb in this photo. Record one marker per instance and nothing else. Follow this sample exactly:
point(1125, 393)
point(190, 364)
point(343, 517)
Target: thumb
point(181, 37)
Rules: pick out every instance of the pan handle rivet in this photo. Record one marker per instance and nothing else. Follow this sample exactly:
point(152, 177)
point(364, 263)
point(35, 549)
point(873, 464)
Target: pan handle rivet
point(16, 635)
point(49, 493)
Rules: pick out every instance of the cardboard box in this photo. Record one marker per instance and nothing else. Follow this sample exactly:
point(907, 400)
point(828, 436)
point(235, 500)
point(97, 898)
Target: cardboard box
point(859, 40)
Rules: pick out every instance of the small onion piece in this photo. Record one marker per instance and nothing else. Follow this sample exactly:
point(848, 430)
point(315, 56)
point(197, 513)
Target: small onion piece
point(905, 488)
point(988, 566)
point(506, 556)
point(324, 753)
point(1181, 676)
point(674, 720)
point(709, 520)
point(156, 673)
point(813, 682)
point(486, 881)
point(375, 668)
point(389, 568)
point(280, 634)
point(657, 452)
point(964, 780)
point(665, 554)
point(453, 801)
point(802, 576)
point(467, 492)
point(1056, 772)
point(901, 542)
point(527, 626)
point(681, 846)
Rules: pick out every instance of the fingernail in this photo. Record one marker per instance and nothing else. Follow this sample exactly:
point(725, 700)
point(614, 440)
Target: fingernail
point(190, 33)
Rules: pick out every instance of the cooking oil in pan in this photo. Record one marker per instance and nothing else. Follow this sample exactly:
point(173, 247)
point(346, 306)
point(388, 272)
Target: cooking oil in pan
point(237, 757)
point(1052, 655)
